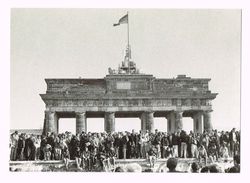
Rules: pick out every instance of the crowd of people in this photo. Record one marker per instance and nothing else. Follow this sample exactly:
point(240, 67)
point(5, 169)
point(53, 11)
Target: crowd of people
point(92, 149)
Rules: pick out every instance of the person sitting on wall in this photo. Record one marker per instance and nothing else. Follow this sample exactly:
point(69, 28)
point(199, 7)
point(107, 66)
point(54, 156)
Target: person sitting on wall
point(47, 152)
point(102, 160)
point(212, 151)
point(224, 151)
point(169, 152)
point(202, 154)
point(165, 145)
point(57, 149)
point(93, 159)
point(111, 156)
point(78, 158)
point(86, 158)
point(152, 156)
point(66, 157)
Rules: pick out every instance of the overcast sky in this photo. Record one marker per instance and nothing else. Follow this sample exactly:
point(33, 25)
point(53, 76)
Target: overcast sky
point(69, 43)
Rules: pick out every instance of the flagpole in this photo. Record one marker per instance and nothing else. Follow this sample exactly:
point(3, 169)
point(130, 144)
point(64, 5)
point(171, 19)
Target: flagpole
point(128, 29)
point(128, 46)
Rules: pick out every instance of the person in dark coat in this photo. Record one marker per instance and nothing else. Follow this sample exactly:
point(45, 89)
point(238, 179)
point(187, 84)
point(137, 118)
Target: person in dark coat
point(117, 146)
point(124, 142)
point(183, 140)
point(157, 143)
point(51, 142)
point(42, 146)
point(175, 142)
point(232, 141)
point(74, 143)
point(165, 145)
point(32, 147)
point(27, 148)
point(134, 144)
point(20, 147)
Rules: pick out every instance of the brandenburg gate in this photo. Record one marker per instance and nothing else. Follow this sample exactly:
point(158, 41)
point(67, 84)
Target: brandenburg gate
point(126, 93)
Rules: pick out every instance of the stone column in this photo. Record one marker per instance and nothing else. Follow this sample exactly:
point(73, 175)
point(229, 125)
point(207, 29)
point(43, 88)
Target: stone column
point(81, 122)
point(49, 122)
point(207, 121)
point(171, 122)
point(150, 121)
point(143, 122)
point(147, 121)
point(109, 122)
point(56, 123)
point(198, 122)
point(178, 120)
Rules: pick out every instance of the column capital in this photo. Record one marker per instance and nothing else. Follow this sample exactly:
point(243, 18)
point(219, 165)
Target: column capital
point(149, 111)
point(178, 111)
point(110, 112)
point(207, 111)
point(80, 112)
point(49, 112)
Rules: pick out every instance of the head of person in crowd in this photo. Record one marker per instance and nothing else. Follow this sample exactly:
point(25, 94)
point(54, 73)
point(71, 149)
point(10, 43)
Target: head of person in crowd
point(43, 137)
point(215, 168)
point(120, 169)
point(223, 144)
point(57, 139)
point(27, 136)
point(133, 167)
point(205, 169)
point(234, 170)
point(195, 167)
point(11, 135)
point(148, 170)
point(171, 164)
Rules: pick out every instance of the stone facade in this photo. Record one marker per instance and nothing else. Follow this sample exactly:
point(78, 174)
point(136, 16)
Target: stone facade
point(129, 95)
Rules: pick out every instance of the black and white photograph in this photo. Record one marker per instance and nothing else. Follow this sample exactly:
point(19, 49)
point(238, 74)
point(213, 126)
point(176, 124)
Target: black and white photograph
point(125, 90)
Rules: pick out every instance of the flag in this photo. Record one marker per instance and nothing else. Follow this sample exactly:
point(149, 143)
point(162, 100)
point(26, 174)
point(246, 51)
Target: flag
point(123, 20)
